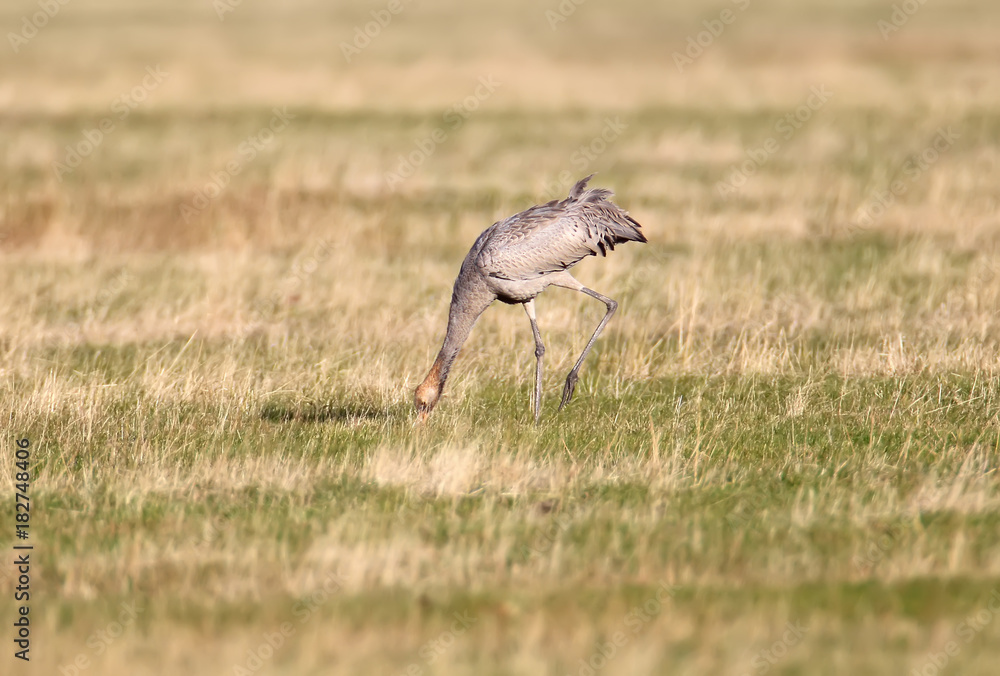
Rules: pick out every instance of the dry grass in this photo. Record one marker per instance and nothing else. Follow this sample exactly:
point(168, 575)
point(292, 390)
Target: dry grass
point(792, 417)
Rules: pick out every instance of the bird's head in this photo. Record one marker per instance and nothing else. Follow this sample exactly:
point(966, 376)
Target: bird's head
point(425, 398)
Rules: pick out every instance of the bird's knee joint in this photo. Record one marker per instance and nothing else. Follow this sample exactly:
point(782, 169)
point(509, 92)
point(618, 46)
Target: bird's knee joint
point(539, 351)
point(612, 305)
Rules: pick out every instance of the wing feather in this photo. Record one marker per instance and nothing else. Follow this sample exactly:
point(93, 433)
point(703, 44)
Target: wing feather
point(555, 236)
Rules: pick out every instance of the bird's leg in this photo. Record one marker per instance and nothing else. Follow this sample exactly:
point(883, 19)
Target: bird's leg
point(575, 373)
point(529, 307)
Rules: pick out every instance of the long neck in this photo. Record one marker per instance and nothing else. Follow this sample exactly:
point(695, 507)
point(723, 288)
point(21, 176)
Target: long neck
point(466, 306)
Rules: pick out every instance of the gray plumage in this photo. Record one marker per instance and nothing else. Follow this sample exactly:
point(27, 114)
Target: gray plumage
point(516, 259)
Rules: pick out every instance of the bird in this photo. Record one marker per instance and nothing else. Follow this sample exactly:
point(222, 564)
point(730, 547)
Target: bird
point(516, 259)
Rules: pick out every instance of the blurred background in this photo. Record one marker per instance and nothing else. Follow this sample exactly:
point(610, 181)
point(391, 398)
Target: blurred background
point(698, 84)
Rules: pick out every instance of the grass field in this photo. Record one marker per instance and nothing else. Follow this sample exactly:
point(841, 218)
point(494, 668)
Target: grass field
point(227, 242)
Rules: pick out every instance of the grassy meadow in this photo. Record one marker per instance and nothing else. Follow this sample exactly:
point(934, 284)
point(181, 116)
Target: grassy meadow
point(228, 235)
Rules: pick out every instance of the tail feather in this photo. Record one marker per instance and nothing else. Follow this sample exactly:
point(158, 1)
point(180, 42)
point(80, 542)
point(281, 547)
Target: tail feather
point(579, 193)
point(619, 226)
point(580, 186)
point(625, 229)
point(630, 230)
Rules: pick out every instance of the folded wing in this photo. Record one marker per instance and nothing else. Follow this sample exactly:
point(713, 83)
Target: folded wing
point(555, 236)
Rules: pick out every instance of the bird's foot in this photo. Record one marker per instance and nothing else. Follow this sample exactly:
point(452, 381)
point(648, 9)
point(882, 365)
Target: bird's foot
point(568, 390)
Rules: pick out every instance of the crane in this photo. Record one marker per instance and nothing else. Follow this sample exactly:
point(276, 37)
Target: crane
point(514, 260)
